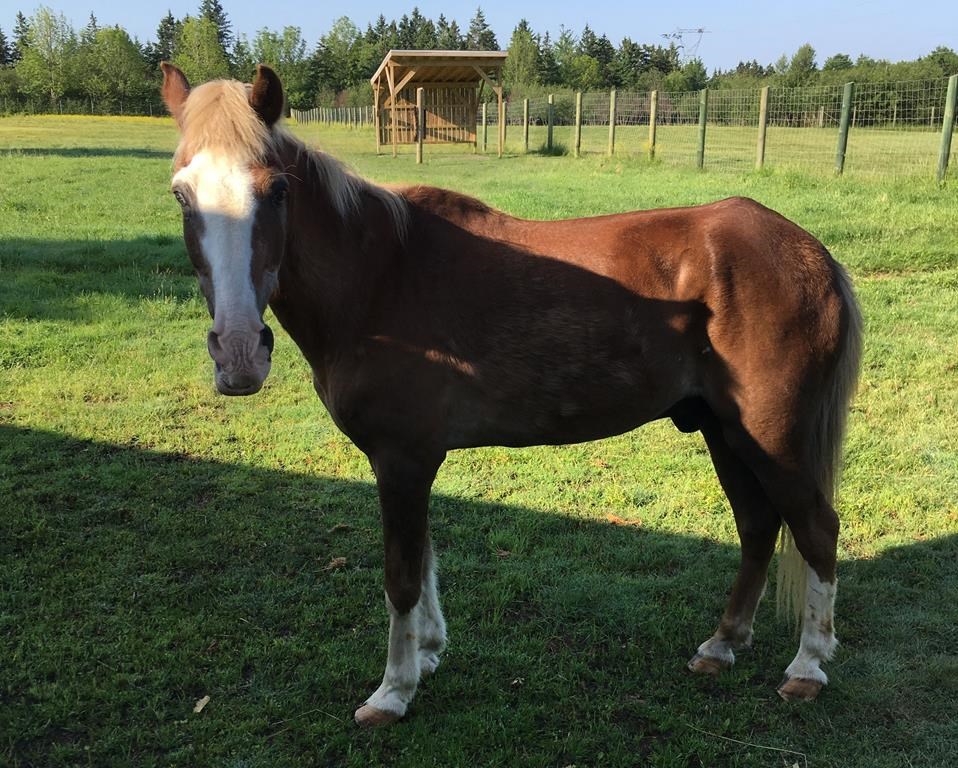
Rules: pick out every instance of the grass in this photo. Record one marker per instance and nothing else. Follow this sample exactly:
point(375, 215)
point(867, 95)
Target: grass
point(160, 543)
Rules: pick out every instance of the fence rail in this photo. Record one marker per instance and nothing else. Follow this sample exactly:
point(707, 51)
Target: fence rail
point(890, 129)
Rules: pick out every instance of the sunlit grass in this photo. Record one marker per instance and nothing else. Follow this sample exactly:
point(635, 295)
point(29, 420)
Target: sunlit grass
point(160, 543)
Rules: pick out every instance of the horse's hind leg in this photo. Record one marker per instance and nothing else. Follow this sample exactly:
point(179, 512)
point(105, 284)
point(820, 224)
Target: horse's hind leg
point(794, 492)
point(758, 526)
point(404, 486)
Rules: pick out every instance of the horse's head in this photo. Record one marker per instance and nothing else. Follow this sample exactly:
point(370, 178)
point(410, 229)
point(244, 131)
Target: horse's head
point(228, 180)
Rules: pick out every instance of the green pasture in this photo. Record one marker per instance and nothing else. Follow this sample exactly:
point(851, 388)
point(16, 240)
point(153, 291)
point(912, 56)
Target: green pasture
point(160, 543)
point(872, 153)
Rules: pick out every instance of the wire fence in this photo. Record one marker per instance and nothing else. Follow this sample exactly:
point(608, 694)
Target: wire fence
point(892, 129)
point(85, 106)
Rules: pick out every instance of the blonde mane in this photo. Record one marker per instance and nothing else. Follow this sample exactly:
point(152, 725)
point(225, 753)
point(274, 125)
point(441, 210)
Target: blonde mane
point(217, 116)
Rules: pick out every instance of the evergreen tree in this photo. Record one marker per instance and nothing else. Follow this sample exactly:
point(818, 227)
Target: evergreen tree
point(4, 50)
point(448, 36)
point(213, 10)
point(522, 65)
point(480, 36)
point(424, 31)
point(21, 38)
point(88, 35)
point(548, 73)
point(166, 33)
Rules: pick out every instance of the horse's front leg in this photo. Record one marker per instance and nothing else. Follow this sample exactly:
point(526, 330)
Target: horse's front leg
point(416, 626)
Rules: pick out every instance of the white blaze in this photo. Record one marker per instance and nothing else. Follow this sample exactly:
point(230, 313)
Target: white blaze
point(224, 202)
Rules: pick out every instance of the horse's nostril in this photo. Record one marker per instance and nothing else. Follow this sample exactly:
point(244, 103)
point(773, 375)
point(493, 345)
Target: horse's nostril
point(266, 338)
point(213, 344)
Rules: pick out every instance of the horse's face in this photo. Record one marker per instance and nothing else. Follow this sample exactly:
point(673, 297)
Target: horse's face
point(234, 225)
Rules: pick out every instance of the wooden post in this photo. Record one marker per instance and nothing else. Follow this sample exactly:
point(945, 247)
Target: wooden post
point(821, 117)
point(420, 126)
point(550, 112)
point(703, 114)
point(525, 125)
point(612, 122)
point(485, 126)
point(848, 94)
point(653, 117)
point(762, 125)
point(376, 117)
point(947, 127)
point(502, 124)
point(578, 122)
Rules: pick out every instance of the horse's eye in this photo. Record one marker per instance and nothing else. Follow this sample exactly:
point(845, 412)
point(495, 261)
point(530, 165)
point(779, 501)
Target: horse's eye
point(184, 203)
point(279, 191)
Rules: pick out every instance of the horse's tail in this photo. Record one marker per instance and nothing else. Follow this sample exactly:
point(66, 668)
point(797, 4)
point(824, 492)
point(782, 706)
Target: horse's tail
point(828, 433)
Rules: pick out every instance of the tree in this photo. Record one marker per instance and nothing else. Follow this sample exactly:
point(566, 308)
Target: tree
point(198, 51)
point(837, 62)
point(88, 35)
point(114, 67)
point(21, 38)
point(548, 72)
point(691, 77)
point(480, 36)
point(945, 59)
point(48, 66)
point(5, 56)
point(286, 54)
point(801, 68)
point(522, 65)
point(448, 36)
point(584, 73)
point(167, 32)
point(213, 10)
point(337, 63)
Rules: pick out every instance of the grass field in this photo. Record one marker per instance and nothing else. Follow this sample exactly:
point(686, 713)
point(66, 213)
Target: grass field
point(160, 543)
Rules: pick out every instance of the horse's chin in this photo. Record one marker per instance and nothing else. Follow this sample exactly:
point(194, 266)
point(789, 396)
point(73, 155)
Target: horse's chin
point(237, 385)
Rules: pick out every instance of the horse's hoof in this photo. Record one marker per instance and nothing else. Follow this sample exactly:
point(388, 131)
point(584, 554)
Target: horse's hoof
point(370, 717)
point(799, 689)
point(707, 665)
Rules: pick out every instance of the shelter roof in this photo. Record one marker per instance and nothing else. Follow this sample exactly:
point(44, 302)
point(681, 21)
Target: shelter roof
point(441, 66)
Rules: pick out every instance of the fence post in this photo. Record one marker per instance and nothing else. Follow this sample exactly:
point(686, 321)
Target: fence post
point(612, 122)
point(762, 125)
point(503, 116)
point(578, 122)
point(653, 113)
point(947, 127)
point(485, 126)
point(703, 114)
point(525, 125)
point(550, 112)
point(848, 94)
point(420, 127)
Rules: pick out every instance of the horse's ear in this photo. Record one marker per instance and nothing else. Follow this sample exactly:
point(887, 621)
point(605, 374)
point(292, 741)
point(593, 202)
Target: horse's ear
point(175, 89)
point(266, 96)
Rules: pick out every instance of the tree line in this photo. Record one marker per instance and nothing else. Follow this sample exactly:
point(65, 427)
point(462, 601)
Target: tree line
point(46, 59)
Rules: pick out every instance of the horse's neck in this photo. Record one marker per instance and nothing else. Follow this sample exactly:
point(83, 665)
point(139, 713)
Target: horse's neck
point(329, 266)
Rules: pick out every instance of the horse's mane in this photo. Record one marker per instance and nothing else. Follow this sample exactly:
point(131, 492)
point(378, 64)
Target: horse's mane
point(218, 116)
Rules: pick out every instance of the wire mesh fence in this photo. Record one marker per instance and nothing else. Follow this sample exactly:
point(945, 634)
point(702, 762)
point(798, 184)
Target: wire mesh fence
point(893, 128)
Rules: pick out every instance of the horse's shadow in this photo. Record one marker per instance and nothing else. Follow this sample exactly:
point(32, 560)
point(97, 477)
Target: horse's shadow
point(136, 582)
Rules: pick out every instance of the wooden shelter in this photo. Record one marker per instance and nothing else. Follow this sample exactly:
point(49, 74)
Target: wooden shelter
point(451, 83)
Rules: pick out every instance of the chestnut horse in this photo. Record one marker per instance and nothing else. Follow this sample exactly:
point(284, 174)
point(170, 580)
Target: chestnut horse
point(432, 322)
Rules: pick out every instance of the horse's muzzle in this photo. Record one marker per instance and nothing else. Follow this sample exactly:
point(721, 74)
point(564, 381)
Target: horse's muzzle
point(241, 361)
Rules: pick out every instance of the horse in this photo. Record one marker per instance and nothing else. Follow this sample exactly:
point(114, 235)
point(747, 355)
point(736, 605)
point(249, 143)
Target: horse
point(432, 322)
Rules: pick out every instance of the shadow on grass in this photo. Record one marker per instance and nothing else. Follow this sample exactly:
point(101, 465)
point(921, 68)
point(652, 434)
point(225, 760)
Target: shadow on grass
point(135, 582)
point(53, 279)
point(92, 152)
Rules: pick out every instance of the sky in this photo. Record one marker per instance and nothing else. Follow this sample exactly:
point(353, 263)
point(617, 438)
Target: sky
point(753, 29)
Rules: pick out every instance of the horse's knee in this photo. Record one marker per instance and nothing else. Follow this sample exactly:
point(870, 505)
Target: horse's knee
point(403, 595)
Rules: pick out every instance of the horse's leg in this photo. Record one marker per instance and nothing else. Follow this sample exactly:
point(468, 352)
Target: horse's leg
point(404, 485)
point(815, 530)
point(793, 489)
point(432, 626)
point(758, 525)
